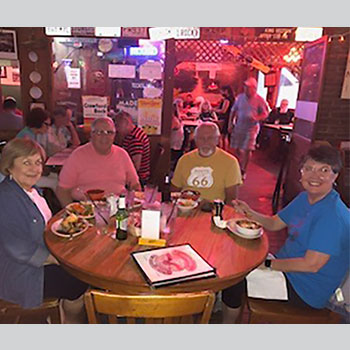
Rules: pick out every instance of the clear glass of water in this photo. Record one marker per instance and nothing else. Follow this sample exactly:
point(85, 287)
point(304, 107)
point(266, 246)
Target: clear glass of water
point(102, 218)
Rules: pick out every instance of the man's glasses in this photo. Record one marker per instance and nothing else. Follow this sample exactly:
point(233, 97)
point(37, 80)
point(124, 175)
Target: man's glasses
point(104, 132)
point(47, 123)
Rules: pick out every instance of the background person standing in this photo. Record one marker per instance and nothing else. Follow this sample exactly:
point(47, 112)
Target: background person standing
point(246, 114)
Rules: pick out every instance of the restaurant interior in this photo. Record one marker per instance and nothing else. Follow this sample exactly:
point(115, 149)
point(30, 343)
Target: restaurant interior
point(103, 71)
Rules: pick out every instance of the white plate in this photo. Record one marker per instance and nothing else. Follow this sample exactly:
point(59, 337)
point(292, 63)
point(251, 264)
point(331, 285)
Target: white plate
point(56, 224)
point(231, 226)
point(81, 216)
point(187, 208)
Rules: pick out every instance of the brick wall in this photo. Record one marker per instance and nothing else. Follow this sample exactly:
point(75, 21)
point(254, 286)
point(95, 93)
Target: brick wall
point(333, 117)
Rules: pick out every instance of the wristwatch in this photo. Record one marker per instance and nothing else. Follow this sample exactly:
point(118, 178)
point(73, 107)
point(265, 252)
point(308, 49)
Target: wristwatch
point(268, 263)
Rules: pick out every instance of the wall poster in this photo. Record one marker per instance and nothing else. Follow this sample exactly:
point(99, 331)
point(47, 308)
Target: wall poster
point(150, 115)
point(94, 107)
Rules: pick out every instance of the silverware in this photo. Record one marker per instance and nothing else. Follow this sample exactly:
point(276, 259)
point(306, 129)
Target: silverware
point(97, 207)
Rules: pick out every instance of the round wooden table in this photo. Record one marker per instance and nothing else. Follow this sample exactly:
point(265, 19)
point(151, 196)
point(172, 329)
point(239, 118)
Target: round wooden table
point(104, 262)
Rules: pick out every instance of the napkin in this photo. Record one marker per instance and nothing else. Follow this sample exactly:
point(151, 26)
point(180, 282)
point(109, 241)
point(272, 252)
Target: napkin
point(267, 284)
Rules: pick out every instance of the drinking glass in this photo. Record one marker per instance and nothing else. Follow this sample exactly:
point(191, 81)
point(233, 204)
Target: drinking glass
point(102, 218)
point(150, 193)
point(167, 219)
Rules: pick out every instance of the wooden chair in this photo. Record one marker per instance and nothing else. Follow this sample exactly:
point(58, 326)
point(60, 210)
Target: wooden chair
point(278, 312)
point(176, 308)
point(13, 313)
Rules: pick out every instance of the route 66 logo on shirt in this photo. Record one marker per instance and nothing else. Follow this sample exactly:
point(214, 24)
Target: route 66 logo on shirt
point(201, 177)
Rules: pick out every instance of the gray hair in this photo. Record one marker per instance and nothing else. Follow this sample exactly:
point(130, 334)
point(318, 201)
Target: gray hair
point(100, 120)
point(210, 124)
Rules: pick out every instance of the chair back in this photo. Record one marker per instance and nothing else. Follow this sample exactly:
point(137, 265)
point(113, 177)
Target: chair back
point(12, 313)
point(176, 308)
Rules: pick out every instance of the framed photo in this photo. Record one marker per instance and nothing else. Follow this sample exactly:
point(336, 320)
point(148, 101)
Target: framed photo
point(8, 45)
point(3, 72)
point(312, 70)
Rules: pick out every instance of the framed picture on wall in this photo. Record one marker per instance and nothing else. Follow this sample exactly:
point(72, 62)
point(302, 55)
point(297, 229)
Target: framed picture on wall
point(312, 69)
point(311, 79)
point(8, 45)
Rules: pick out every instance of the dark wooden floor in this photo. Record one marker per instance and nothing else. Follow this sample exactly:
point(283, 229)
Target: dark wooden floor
point(257, 191)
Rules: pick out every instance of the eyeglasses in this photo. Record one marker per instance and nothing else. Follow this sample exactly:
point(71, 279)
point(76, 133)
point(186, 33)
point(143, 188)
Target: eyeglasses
point(104, 132)
point(47, 123)
point(324, 171)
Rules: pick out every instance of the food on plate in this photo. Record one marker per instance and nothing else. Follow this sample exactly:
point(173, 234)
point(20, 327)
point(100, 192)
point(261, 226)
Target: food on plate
point(139, 195)
point(252, 225)
point(188, 203)
point(72, 224)
point(84, 209)
point(190, 194)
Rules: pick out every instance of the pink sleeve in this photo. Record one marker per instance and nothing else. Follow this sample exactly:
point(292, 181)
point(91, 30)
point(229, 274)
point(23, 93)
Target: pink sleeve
point(68, 177)
point(131, 175)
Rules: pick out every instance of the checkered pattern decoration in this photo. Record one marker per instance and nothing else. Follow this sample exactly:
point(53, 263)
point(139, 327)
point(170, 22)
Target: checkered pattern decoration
point(269, 53)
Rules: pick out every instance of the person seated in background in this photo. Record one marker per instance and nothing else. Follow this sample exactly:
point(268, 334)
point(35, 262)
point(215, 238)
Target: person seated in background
point(136, 142)
point(62, 132)
point(281, 115)
point(199, 100)
point(208, 169)
point(315, 257)
point(207, 114)
point(97, 165)
point(9, 119)
point(37, 126)
point(28, 272)
point(188, 103)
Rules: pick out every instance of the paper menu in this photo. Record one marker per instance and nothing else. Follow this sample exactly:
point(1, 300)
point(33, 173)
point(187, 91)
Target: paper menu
point(150, 224)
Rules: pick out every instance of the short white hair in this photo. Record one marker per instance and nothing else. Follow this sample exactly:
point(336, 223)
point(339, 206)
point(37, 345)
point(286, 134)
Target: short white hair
point(100, 120)
point(210, 124)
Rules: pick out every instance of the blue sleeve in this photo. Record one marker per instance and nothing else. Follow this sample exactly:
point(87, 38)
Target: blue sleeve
point(326, 234)
point(15, 239)
point(288, 213)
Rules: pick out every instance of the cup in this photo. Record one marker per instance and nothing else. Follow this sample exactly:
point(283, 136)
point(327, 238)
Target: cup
point(151, 192)
point(102, 218)
point(167, 219)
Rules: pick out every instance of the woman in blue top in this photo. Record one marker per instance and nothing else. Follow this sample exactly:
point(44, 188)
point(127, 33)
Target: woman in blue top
point(315, 256)
point(37, 126)
point(28, 272)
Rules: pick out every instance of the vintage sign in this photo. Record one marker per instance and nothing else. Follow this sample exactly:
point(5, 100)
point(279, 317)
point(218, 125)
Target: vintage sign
point(73, 78)
point(150, 115)
point(186, 32)
point(121, 71)
point(108, 31)
point(215, 33)
point(276, 34)
point(58, 31)
point(128, 106)
point(135, 32)
point(151, 70)
point(94, 106)
point(83, 31)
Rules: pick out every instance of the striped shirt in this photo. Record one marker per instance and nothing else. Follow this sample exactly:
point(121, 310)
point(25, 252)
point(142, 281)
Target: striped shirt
point(137, 142)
